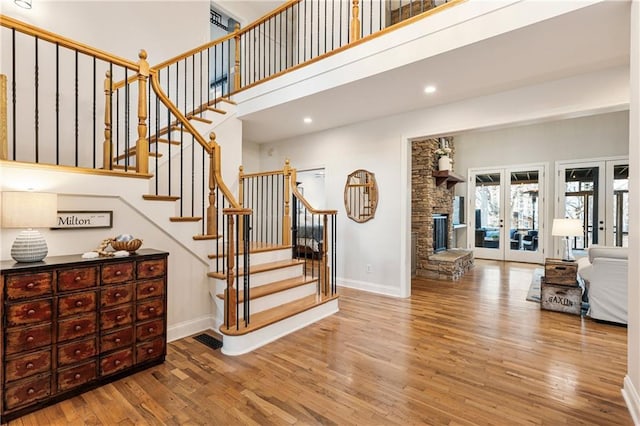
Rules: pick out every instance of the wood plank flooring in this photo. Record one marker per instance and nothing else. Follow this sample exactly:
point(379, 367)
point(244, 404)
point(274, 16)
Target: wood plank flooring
point(472, 352)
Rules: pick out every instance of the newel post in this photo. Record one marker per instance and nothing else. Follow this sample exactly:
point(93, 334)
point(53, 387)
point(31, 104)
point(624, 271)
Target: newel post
point(4, 143)
point(236, 68)
point(286, 219)
point(107, 154)
point(355, 21)
point(212, 209)
point(142, 144)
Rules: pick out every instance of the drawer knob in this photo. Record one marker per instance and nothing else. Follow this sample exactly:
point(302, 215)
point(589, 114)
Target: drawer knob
point(116, 362)
point(77, 352)
point(77, 376)
point(30, 339)
point(151, 329)
point(152, 289)
point(79, 303)
point(31, 285)
point(119, 317)
point(31, 391)
point(117, 340)
point(117, 295)
point(31, 312)
point(150, 350)
point(77, 278)
point(29, 365)
point(152, 268)
point(78, 327)
point(118, 273)
point(152, 309)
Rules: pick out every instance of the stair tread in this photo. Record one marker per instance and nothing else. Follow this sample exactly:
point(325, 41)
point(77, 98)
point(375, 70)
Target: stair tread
point(185, 219)
point(200, 119)
point(132, 152)
point(262, 267)
point(152, 197)
point(163, 140)
point(279, 313)
point(206, 237)
point(216, 110)
point(274, 287)
point(254, 247)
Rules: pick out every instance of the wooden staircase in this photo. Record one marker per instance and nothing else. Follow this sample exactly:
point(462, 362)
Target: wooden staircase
point(282, 298)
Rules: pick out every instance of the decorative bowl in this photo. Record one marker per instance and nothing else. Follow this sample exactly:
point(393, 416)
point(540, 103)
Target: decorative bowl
point(131, 245)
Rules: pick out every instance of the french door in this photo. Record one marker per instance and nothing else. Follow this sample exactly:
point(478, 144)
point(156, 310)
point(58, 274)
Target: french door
point(507, 224)
point(597, 193)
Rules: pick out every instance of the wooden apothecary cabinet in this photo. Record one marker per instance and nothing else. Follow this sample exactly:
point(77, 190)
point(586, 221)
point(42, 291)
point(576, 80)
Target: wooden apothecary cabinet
point(71, 324)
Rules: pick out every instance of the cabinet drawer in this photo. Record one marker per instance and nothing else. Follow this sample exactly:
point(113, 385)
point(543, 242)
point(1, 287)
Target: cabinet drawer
point(153, 288)
point(116, 295)
point(25, 339)
point(72, 353)
point(76, 376)
point(151, 268)
point(150, 350)
point(28, 365)
point(73, 328)
point(117, 273)
point(25, 393)
point(116, 317)
point(151, 309)
point(149, 330)
point(116, 339)
point(76, 303)
point(29, 313)
point(28, 285)
point(76, 279)
point(116, 361)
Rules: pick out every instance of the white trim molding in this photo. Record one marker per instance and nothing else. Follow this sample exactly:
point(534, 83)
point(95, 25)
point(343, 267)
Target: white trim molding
point(630, 395)
point(188, 328)
point(370, 287)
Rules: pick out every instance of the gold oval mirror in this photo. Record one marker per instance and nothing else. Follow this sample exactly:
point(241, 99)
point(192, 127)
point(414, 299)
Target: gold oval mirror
point(361, 196)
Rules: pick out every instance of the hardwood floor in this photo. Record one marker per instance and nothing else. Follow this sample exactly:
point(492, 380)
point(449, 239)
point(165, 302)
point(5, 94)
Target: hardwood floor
point(457, 353)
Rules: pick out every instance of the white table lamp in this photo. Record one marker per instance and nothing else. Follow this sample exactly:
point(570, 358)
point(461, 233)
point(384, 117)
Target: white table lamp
point(29, 210)
point(567, 228)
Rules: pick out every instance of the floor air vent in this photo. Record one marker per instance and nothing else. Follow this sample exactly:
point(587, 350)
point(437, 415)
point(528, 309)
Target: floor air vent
point(210, 341)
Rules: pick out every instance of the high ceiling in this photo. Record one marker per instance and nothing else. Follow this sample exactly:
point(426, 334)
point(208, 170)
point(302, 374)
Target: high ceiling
point(590, 39)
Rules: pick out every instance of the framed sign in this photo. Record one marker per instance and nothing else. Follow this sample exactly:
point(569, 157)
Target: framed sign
point(83, 219)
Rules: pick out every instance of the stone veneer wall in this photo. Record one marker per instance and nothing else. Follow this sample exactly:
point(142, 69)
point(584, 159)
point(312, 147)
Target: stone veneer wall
point(427, 199)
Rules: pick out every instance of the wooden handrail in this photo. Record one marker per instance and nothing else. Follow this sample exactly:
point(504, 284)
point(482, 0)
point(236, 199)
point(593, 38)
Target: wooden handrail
point(25, 28)
point(304, 201)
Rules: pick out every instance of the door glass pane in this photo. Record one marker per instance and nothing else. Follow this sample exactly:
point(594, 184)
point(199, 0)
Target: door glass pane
point(523, 229)
point(488, 211)
point(581, 202)
point(621, 205)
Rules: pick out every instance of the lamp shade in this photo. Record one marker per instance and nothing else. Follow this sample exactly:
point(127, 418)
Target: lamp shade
point(567, 228)
point(29, 209)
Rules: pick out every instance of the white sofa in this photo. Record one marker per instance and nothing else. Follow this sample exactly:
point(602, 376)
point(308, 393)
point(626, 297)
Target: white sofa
point(605, 275)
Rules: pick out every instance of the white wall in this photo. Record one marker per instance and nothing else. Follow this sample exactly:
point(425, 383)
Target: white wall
point(251, 157)
point(382, 146)
point(123, 27)
point(190, 308)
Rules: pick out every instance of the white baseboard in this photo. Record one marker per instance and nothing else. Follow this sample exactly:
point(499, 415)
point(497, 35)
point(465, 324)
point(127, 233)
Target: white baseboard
point(187, 328)
point(238, 345)
point(370, 287)
point(630, 395)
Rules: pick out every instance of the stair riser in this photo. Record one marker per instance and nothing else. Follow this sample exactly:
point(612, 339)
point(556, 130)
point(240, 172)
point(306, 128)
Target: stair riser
point(257, 258)
point(277, 299)
point(261, 278)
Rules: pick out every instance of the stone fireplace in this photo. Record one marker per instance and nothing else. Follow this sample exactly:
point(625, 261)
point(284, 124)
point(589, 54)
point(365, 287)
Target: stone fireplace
point(431, 211)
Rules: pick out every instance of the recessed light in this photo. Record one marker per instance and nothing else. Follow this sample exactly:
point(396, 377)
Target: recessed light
point(307, 120)
point(430, 89)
